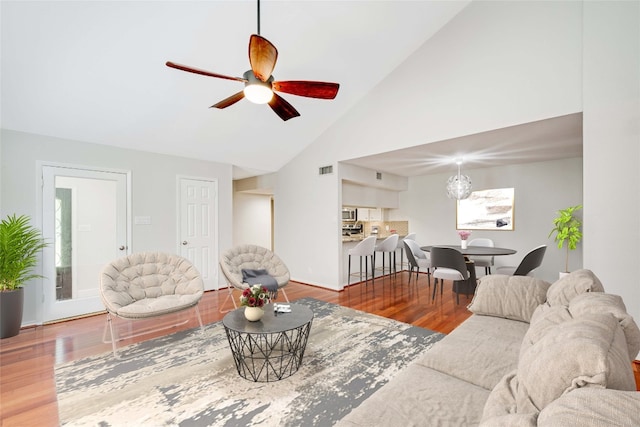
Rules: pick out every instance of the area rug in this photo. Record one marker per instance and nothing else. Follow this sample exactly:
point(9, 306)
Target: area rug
point(189, 378)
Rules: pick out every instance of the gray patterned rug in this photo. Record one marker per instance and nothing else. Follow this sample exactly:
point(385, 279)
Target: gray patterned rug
point(189, 379)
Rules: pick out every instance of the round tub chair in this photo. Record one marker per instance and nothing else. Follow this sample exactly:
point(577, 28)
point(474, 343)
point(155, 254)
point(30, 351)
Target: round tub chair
point(149, 284)
point(251, 257)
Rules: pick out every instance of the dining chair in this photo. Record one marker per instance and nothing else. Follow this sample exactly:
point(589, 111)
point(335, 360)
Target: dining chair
point(483, 261)
point(410, 236)
point(364, 249)
point(387, 246)
point(417, 259)
point(449, 264)
point(530, 262)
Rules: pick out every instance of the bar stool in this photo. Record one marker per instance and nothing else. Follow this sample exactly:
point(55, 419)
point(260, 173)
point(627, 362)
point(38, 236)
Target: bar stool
point(388, 245)
point(363, 249)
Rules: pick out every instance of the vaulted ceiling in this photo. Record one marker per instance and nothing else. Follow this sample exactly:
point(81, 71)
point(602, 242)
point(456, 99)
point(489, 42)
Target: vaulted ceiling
point(94, 71)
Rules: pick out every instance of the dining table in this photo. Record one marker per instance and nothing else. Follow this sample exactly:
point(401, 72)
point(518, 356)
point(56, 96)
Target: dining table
point(469, 287)
point(475, 250)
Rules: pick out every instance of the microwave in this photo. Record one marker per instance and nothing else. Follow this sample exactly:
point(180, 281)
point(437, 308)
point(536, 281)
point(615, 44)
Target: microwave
point(349, 214)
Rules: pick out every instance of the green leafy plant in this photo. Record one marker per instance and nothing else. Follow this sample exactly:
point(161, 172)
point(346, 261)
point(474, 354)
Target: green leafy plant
point(566, 226)
point(19, 247)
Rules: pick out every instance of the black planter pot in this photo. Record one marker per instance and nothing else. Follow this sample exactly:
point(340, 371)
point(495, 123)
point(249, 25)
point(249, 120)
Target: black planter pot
point(11, 303)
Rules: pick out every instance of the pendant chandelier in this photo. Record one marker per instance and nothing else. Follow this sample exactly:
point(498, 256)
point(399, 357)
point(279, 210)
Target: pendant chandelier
point(458, 186)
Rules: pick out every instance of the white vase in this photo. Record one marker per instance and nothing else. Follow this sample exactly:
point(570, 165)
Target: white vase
point(463, 244)
point(253, 314)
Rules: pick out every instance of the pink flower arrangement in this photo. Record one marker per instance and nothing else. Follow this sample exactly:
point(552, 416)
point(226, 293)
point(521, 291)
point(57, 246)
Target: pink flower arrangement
point(464, 234)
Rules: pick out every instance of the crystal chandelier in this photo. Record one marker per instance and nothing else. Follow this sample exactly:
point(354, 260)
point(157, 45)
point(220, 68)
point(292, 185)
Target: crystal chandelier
point(459, 186)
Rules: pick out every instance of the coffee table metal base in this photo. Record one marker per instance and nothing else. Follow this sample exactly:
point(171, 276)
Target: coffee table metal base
point(268, 356)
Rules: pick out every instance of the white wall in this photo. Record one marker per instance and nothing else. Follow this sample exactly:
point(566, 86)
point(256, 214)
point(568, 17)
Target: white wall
point(153, 190)
point(612, 146)
point(432, 216)
point(495, 64)
point(252, 219)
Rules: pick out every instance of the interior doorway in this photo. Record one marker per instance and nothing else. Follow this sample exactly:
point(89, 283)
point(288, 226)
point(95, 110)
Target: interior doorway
point(84, 218)
point(198, 226)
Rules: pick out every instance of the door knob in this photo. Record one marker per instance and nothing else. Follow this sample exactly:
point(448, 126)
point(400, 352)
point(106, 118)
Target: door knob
point(122, 248)
point(184, 243)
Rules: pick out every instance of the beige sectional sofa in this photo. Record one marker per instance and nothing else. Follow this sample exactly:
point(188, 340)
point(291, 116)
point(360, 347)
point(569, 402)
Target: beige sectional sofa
point(532, 354)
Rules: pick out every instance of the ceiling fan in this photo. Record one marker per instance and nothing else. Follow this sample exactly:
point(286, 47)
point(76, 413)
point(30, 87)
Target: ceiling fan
point(260, 85)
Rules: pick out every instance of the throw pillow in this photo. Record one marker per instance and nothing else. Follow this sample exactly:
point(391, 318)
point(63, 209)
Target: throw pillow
point(510, 297)
point(564, 290)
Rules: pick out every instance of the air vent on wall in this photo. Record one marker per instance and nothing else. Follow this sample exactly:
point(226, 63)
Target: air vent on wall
point(325, 170)
point(379, 175)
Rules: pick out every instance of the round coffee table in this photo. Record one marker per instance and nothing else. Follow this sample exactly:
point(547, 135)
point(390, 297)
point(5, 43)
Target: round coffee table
point(272, 348)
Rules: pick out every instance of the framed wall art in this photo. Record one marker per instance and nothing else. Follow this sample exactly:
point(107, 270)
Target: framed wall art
point(486, 210)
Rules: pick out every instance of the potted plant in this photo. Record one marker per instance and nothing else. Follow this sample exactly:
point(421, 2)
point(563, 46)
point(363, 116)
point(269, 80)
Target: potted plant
point(20, 244)
point(566, 227)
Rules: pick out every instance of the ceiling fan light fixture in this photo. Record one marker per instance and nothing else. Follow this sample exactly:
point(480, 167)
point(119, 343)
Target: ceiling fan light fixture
point(258, 94)
point(257, 91)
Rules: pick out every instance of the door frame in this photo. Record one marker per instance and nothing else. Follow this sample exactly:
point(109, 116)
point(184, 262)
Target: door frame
point(216, 239)
point(39, 220)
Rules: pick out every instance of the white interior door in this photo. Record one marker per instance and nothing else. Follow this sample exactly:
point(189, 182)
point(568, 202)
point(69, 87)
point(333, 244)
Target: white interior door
point(85, 220)
point(198, 239)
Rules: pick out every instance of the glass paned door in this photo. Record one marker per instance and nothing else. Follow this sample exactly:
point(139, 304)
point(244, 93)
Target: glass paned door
point(85, 220)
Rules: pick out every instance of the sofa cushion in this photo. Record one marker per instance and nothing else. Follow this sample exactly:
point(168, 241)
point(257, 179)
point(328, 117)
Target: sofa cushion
point(501, 408)
point(577, 353)
point(596, 302)
point(511, 297)
point(565, 289)
point(419, 396)
point(544, 319)
point(593, 407)
point(480, 351)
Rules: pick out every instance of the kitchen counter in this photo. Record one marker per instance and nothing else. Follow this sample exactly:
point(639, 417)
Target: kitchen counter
point(360, 237)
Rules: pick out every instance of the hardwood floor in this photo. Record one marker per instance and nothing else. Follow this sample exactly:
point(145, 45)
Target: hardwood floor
point(27, 386)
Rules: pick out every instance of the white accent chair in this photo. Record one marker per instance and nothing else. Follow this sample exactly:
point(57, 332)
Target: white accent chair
point(483, 261)
point(253, 257)
point(149, 284)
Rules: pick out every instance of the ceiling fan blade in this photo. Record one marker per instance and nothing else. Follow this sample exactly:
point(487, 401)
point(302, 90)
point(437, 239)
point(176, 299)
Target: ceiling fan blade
point(310, 89)
point(262, 57)
point(282, 108)
point(229, 101)
point(202, 72)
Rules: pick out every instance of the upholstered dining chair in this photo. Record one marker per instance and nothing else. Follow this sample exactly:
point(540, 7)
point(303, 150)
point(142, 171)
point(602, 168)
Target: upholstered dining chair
point(365, 250)
point(410, 236)
point(529, 263)
point(255, 258)
point(448, 264)
point(144, 285)
point(388, 246)
point(483, 261)
point(417, 259)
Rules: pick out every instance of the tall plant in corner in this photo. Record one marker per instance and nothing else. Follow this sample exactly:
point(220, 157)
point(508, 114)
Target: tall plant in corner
point(567, 226)
point(20, 244)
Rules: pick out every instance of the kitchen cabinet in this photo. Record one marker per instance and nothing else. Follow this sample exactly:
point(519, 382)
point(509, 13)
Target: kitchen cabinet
point(365, 214)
